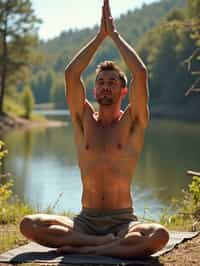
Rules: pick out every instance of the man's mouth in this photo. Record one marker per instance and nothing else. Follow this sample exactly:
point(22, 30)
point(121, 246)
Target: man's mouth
point(106, 93)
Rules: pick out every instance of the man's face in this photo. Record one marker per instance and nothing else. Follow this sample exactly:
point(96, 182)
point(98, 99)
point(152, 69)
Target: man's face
point(108, 87)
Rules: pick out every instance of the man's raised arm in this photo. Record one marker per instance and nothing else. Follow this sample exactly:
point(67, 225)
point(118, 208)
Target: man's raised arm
point(139, 85)
point(75, 90)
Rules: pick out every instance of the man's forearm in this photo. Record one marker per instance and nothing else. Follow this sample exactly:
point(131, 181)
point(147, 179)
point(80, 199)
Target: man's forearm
point(82, 59)
point(130, 56)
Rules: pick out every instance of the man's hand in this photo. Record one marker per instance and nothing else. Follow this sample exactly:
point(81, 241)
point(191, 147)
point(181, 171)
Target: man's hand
point(110, 25)
point(103, 31)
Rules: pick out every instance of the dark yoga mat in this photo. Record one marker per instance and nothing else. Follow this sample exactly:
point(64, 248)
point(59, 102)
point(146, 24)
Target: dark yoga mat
point(33, 252)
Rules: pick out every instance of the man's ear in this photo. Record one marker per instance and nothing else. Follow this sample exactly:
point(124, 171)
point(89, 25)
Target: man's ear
point(124, 91)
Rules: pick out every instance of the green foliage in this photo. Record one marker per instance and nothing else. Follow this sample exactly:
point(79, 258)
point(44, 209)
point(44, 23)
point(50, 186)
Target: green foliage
point(13, 106)
point(176, 14)
point(194, 190)
point(2, 152)
point(192, 27)
point(28, 101)
point(18, 34)
point(11, 209)
point(187, 211)
point(165, 50)
point(58, 92)
point(194, 8)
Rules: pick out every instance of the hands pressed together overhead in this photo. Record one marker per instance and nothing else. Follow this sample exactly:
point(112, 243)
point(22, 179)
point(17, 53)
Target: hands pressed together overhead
point(108, 27)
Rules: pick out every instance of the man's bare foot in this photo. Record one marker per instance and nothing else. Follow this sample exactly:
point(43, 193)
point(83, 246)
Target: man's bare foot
point(106, 239)
point(100, 240)
point(78, 250)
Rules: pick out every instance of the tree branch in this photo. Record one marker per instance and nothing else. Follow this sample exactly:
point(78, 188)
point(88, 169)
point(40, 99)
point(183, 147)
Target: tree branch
point(193, 173)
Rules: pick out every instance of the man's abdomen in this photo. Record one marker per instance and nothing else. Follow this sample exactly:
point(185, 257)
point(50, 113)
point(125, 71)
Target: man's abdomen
point(106, 192)
point(106, 179)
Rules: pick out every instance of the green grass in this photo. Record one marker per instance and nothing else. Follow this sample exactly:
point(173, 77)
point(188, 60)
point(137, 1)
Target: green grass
point(10, 237)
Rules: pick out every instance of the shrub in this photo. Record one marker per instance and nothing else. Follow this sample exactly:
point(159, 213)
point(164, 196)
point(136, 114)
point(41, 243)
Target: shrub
point(187, 214)
point(28, 101)
point(11, 209)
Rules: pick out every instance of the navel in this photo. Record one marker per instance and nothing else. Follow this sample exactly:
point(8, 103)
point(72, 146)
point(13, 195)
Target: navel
point(119, 146)
point(87, 146)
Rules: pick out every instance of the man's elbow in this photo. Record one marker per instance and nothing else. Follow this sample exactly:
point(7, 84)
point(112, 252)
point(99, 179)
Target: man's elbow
point(72, 71)
point(70, 74)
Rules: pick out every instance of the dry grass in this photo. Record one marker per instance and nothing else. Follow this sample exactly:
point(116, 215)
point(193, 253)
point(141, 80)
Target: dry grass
point(10, 237)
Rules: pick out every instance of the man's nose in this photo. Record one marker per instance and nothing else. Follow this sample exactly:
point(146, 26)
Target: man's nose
point(106, 87)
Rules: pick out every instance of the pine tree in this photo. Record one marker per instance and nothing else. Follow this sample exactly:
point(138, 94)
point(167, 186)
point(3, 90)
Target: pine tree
point(17, 35)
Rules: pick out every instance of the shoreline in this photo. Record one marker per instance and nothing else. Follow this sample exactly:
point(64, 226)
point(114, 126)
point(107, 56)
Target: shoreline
point(10, 121)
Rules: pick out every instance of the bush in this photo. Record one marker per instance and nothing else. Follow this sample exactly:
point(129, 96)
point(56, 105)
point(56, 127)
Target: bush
point(11, 105)
point(187, 214)
point(28, 102)
point(11, 209)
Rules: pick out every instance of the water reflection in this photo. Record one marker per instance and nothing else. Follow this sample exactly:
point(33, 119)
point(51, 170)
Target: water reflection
point(170, 149)
point(43, 163)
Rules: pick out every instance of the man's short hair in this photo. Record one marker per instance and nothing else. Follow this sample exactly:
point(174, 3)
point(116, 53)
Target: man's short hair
point(110, 65)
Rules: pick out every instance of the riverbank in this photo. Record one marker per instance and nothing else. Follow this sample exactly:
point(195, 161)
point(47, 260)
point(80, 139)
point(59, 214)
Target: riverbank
point(10, 121)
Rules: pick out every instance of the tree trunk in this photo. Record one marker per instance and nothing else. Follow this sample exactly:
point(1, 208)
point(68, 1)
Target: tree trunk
point(3, 84)
point(4, 61)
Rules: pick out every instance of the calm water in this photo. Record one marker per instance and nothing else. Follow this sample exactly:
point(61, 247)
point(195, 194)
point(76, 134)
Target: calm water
point(43, 165)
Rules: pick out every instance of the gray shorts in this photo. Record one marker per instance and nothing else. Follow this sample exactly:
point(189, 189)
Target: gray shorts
point(97, 222)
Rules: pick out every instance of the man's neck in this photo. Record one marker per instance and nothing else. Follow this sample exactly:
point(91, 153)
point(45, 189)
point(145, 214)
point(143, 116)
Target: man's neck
point(109, 114)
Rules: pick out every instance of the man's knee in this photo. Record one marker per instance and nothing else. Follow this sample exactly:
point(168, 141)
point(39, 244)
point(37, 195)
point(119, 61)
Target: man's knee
point(158, 239)
point(27, 226)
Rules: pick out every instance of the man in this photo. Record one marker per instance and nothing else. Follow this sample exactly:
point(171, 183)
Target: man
point(108, 146)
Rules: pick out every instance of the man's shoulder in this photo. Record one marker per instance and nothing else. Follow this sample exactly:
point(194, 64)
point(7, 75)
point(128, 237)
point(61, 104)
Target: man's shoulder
point(128, 117)
point(88, 109)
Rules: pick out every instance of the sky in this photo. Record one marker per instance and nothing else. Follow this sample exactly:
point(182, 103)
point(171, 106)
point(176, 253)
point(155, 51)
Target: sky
point(60, 15)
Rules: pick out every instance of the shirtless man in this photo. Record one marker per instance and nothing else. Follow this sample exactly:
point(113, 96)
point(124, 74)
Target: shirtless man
point(108, 146)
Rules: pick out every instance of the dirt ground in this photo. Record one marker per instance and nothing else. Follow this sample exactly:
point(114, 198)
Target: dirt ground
point(186, 254)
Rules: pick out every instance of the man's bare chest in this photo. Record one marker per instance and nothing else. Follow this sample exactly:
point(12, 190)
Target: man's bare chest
point(105, 138)
point(109, 141)
point(106, 149)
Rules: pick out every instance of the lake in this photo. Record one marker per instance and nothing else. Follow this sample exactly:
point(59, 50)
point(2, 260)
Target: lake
point(42, 162)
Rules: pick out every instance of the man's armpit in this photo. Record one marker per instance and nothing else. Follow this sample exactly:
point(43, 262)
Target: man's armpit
point(88, 108)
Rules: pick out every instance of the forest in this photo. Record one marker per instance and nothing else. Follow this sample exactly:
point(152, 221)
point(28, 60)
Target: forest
point(165, 34)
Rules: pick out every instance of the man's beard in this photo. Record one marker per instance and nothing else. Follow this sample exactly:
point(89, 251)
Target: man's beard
point(105, 100)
